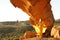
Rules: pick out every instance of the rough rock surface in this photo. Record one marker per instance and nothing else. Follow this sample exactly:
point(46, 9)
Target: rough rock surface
point(27, 34)
point(55, 32)
point(37, 9)
point(38, 38)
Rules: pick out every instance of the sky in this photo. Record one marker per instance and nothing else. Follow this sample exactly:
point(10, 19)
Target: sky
point(9, 13)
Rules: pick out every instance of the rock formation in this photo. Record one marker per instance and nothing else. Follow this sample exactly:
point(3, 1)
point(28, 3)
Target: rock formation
point(27, 34)
point(37, 9)
point(55, 32)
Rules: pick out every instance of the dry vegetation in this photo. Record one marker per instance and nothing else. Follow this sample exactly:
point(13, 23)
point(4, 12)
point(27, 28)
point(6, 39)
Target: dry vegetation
point(13, 30)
